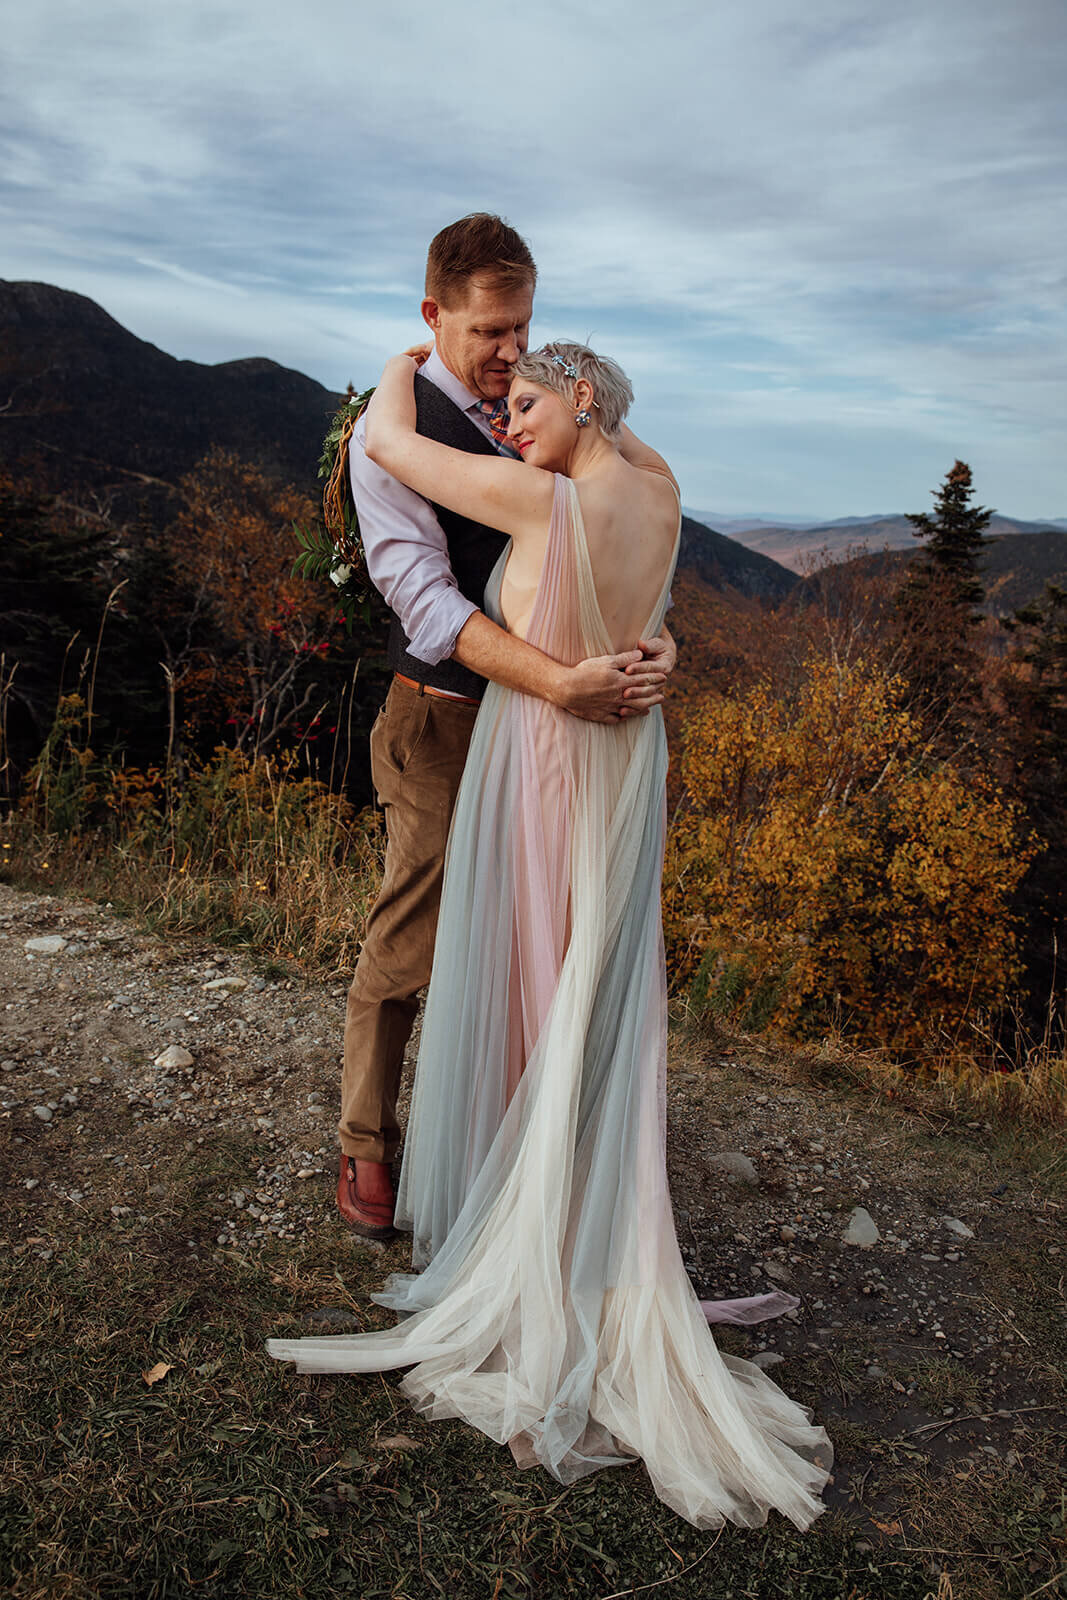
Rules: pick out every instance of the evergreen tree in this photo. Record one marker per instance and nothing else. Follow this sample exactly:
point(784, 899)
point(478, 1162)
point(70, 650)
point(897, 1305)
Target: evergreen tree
point(956, 541)
point(937, 606)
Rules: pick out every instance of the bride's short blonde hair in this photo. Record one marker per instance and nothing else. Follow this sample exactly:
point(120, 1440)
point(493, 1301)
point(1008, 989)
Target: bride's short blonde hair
point(559, 365)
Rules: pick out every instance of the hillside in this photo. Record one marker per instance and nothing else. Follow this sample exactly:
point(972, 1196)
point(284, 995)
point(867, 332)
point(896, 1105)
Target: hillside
point(87, 407)
point(1015, 569)
point(724, 563)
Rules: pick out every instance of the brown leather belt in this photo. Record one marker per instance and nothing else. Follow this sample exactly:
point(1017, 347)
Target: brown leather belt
point(438, 694)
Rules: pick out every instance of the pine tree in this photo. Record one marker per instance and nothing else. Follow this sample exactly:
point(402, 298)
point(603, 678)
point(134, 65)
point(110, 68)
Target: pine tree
point(956, 541)
point(937, 607)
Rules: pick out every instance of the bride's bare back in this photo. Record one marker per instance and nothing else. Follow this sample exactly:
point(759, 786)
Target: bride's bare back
point(631, 520)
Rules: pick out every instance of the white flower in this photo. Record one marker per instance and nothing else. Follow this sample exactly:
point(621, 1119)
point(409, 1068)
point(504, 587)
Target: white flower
point(340, 574)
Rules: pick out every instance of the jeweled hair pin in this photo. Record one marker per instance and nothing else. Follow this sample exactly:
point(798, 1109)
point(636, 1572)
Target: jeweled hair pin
point(561, 361)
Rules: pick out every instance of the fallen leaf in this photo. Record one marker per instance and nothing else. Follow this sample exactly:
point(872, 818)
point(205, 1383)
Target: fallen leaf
point(887, 1527)
point(154, 1374)
point(398, 1441)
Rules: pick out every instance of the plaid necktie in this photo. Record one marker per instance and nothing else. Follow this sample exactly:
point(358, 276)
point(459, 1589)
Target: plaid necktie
point(495, 413)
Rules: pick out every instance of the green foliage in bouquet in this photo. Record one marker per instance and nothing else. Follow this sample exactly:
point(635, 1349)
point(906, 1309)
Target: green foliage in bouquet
point(333, 549)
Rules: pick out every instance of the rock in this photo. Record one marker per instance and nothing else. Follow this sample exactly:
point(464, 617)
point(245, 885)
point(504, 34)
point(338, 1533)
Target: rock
point(334, 1317)
point(778, 1271)
point(736, 1167)
point(862, 1229)
point(42, 1113)
point(767, 1358)
point(960, 1229)
point(52, 944)
point(31, 1183)
point(174, 1056)
point(232, 985)
point(875, 1372)
point(787, 1234)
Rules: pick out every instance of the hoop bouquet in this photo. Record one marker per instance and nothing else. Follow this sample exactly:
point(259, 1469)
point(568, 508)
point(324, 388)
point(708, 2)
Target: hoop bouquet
point(333, 548)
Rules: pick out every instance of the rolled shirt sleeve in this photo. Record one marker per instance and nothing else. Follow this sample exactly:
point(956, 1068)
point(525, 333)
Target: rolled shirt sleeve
point(407, 556)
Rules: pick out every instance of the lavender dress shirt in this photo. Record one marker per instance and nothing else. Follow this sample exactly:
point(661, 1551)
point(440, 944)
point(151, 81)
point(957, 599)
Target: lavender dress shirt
point(407, 555)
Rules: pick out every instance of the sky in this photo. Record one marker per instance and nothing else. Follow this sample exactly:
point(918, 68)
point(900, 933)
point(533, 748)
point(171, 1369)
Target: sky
point(826, 240)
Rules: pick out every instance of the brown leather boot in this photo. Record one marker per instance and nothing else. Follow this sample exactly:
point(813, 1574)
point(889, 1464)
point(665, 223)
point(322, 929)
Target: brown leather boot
point(365, 1197)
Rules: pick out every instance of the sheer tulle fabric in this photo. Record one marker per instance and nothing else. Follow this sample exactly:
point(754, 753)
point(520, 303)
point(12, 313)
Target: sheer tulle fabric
point(554, 1312)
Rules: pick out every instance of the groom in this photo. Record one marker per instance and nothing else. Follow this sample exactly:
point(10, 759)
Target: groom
point(428, 563)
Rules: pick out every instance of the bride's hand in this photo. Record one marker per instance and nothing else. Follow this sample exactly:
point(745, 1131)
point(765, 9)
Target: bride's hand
point(419, 352)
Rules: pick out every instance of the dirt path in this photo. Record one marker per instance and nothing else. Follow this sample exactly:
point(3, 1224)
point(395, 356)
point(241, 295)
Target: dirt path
point(934, 1354)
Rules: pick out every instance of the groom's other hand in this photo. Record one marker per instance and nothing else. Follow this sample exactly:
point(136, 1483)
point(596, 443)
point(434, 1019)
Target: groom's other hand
point(608, 688)
point(647, 677)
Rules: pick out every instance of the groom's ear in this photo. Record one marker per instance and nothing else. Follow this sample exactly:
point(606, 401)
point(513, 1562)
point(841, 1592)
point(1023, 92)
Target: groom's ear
point(431, 314)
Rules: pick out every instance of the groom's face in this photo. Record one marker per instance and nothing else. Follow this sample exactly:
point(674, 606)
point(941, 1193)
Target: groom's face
point(483, 334)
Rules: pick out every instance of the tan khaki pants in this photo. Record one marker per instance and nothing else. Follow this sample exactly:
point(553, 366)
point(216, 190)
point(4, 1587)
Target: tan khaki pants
point(417, 747)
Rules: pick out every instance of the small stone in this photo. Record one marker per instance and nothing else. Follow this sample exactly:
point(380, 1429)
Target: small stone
point(231, 985)
point(42, 1113)
point(333, 1317)
point(875, 1372)
point(765, 1359)
point(787, 1234)
point(862, 1229)
point(31, 1183)
point(960, 1229)
point(173, 1057)
point(777, 1270)
point(52, 945)
point(736, 1167)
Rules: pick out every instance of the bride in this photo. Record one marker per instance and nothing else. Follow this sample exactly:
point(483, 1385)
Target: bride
point(554, 1312)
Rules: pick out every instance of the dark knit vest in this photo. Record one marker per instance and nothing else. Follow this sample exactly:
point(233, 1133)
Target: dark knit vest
point(472, 548)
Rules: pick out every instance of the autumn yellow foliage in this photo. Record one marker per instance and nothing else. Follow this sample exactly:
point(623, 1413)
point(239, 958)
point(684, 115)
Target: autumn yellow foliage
point(825, 865)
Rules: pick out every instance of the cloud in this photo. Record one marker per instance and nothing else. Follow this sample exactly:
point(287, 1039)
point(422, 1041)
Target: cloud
point(832, 229)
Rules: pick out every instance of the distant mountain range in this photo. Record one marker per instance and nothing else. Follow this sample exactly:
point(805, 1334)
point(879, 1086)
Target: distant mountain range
point(799, 544)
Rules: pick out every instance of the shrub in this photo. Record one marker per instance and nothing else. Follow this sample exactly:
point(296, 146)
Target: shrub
point(825, 863)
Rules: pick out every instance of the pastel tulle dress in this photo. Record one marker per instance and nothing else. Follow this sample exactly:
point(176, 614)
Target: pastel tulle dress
point(554, 1312)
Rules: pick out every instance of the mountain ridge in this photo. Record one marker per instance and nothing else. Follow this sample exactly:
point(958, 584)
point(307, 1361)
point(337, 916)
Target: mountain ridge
point(88, 407)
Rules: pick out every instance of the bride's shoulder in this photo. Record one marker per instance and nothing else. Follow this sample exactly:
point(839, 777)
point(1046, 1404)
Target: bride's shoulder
point(659, 494)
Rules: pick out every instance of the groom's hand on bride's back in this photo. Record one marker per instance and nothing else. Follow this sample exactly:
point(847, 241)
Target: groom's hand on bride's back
point(609, 688)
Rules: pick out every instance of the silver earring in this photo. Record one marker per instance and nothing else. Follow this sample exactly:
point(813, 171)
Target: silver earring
point(583, 418)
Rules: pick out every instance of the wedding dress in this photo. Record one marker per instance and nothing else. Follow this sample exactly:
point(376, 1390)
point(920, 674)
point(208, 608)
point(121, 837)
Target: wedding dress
point(554, 1312)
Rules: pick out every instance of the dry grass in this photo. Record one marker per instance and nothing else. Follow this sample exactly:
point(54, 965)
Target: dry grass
point(246, 849)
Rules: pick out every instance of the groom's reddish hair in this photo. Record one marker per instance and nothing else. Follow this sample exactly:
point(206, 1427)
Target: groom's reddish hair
point(478, 245)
